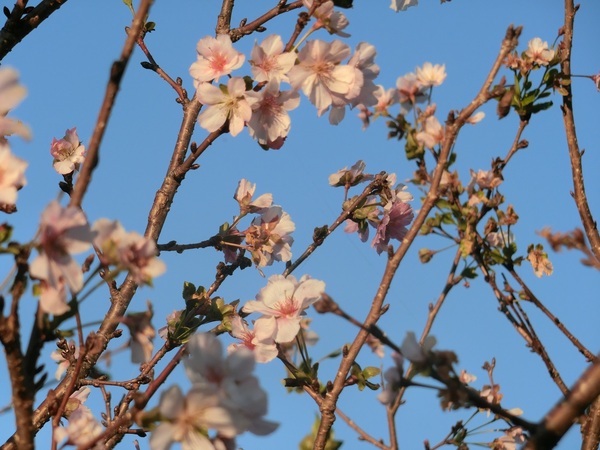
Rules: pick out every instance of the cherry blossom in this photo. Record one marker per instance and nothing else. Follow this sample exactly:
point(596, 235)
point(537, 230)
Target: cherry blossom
point(142, 332)
point(270, 119)
point(485, 179)
point(282, 303)
point(320, 74)
point(410, 92)
point(538, 52)
point(231, 380)
point(83, 426)
point(227, 104)
point(397, 216)
point(127, 251)
point(333, 21)
point(264, 349)
point(243, 195)
point(431, 75)
point(188, 418)
point(415, 352)
point(11, 94)
point(269, 237)
point(393, 378)
point(539, 261)
point(403, 5)
point(216, 57)
point(63, 232)
point(350, 177)
point(68, 152)
point(432, 133)
point(12, 175)
point(269, 62)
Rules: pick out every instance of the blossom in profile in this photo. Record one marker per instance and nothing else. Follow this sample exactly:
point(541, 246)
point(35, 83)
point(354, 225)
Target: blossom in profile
point(11, 94)
point(538, 52)
point(243, 195)
point(12, 175)
point(83, 426)
point(327, 17)
point(269, 237)
point(63, 232)
point(68, 152)
point(270, 120)
point(403, 5)
point(282, 303)
point(539, 261)
point(397, 216)
point(431, 75)
point(321, 75)
point(393, 379)
point(414, 351)
point(216, 57)
point(432, 133)
point(350, 177)
point(485, 179)
point(142, 333)
point(269, 62)
point(227, 104)
point(410, 92)
point(264, 349)
point(127, 251)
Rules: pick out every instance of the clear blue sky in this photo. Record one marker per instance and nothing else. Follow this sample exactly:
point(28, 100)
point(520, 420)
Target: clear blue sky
point(65, 65)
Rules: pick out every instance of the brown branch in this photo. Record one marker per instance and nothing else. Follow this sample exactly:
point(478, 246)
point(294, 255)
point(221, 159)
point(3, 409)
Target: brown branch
point(560, 418)
point(363, 435)
point(452, 129)
point(248, 28)
point(589, 224)
point(17, 27)
point(116, 74)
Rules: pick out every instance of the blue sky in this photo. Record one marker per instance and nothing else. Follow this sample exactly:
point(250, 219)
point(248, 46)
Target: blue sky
point(65, 63)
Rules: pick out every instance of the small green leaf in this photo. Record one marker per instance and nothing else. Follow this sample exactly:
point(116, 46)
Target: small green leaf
point(129, 4)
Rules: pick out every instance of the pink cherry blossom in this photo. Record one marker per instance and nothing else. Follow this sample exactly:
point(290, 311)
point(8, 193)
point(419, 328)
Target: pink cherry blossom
point(243, 195)
point(333, 21)
point(410, 92)
point(538, 52)
point(231, 379)
point(264, 349)
point(68, 152)
point(63, 232)
point(397, 216)
point(270, 119)
point(350, 177)
point(228, 104)
point(82, 427)
point(432, 133)
point(282, 304)
point(320, 74)
point(11, 94)
point(268, 237)
point(216, 57)
point(142, 333)
point(12, 175)
point(269, 62)
point(431, 75)
point(127, 251)
point(188, 418)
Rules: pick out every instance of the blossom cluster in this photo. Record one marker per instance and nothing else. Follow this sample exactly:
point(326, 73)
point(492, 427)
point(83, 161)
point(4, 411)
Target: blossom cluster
point(267, 238)
point(12, 168)
point(389, 212)
point(538, 54)
point(326, 72)
point(64, 231)
point(224, 397)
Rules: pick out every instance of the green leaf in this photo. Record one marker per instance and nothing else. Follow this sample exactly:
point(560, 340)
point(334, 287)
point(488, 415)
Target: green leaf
point(541, 107)
point(189, 289)
point(129, 4)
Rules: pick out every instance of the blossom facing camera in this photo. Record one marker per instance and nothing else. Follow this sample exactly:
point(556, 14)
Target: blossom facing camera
point(216, 58)
point(68, 152)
